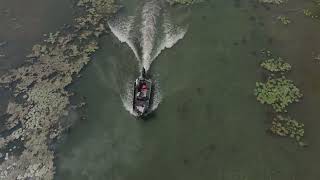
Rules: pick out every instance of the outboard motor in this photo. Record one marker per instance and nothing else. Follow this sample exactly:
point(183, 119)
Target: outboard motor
point(143, 73)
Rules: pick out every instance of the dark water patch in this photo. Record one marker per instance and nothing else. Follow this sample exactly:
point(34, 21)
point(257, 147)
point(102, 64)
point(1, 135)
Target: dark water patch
point(254, 53)
point(237, 3)
point(265, 6)
point(244, 40)
point(151, 116)
point(13, 148)
point(184, 107)
point(199, 90)
point(252, 18)
point(261, 24)
point(270, 40)
point(23, 24)
point(209, 113)
point(202, 154)
point(4, 98)
point(3, 119)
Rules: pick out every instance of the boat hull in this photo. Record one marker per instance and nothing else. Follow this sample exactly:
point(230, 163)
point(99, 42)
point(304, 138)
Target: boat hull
point(142, 100)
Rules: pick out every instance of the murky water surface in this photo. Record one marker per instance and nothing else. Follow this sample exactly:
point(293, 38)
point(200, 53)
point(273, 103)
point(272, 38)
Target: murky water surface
point(23, 23)
point(208, 125)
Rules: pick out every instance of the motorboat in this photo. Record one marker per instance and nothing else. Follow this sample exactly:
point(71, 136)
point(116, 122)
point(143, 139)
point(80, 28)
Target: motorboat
point(142, 99)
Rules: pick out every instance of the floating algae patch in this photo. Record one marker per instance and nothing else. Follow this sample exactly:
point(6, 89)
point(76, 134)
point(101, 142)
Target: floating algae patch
point(276, 65)
point(288, 127)
point(278, 92)
point(41, 83)
point(284, 20)
point(313, 11)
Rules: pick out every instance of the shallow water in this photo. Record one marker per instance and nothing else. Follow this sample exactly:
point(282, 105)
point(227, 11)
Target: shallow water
point(209, 125)
point(23, 24)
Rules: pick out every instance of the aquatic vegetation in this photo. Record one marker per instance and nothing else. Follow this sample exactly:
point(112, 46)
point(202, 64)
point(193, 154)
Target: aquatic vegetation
point(101, 6)
point(317, 57)
point(314, 11)
point(309, 13)
point(184, 2)
point(276, 65)
point(266, 53)
point(91, 47)
point(52, 37)
point(287, 127)
point(40, 84)
point(284, 20)
point(272, 1)
point(278, 92)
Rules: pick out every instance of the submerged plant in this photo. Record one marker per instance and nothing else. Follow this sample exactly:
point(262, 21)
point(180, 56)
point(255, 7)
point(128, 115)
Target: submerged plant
point(276, 65)
point(272, 1)
point(317, 57)
point(266, 53)
point(278, 92)
point(287, 127)
point(52, 38)
point(284, 20)
point(101, 6)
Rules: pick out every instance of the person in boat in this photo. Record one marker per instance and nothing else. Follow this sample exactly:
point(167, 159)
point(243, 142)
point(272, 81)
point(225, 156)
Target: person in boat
point(142, 92)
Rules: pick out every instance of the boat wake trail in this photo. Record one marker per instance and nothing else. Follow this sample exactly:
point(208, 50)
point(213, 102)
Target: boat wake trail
point(149, 31)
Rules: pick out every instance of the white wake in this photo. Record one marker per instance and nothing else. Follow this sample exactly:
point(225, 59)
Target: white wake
point(147, 33)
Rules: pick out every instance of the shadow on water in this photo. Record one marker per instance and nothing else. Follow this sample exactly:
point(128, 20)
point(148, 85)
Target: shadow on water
point(150, 117)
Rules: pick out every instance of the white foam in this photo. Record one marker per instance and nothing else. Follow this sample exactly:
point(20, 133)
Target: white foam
point(148, 32)
point(127, 98)
point(121, 28)
point(172, 34)
point(157, 97)
point(150, 14)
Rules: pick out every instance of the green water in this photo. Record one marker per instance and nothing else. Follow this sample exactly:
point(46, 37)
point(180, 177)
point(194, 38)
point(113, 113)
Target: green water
point(208, 125)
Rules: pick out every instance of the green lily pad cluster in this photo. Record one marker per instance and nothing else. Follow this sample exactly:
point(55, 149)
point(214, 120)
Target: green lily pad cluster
point(278, 92)
point(287, 127)
point(314, 11)
point(284, 20)
point(276, 65)
point(310, 13)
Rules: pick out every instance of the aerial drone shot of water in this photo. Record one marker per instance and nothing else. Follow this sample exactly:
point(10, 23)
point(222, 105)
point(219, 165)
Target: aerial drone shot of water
point(159, 90)
point(148, 31)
